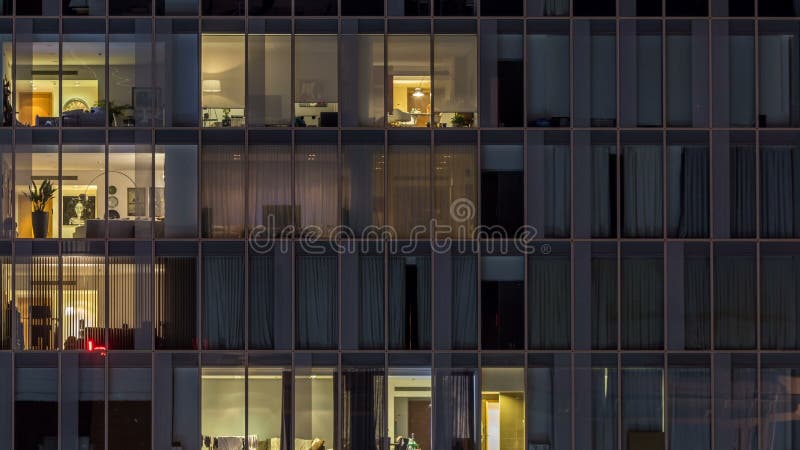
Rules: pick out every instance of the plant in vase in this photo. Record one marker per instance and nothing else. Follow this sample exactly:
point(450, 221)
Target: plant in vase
point(226, 117)
point(39, 196)
point(459, 120)
point(114, 110)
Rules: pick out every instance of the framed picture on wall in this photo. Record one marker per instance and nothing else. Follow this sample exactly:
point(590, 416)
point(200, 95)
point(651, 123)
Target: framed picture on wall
point(77, 211)
point(146, 106)
point(137, 202)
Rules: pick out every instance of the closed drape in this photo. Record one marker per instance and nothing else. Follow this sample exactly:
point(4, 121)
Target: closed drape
point(689, 408)
point(540, 398)
point(409, 311)
point(454, 406)
point(780, 192)
point(316, 317)
point(697, 303)
point(735, 302)
point(422, 326)
point(262, 302)
point(742, 192)
point(642, 197)
point(222, 190)
point(780, 424)
point(287, 411)
point(315, 186)
point(603, 191)
point(176, 302)
point(370, 305)
point(398, 315)
point(364, 414)
point(409, 182)
point(362, 186)
point(549, 302)
point(780, 302)
point(270, 190)
point(689, 192)
point(223, 302)
point(604, 303)
point(556, 205)
point(642, 306)
point(778, 85)
point(605, 408)
point(642, 401)
point(465, 302)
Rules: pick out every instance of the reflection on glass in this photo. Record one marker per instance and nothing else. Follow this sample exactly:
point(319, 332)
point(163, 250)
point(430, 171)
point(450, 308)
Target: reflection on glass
point(83, 401)
point(129, 401)
point(455, 83)
point(642, 402)
point(36, 401)
point(222, 78)
point(36, 86)
point(503, 302)
point(269, 400)
point(316, 91)
point(363, 79)
point(176, 166)
point(409, 392)
point(548, 87)
point(410, 77)
point(130, 59)
point(269, 63)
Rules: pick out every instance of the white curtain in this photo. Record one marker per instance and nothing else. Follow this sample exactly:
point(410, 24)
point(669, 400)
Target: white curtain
point(316, 181)
point(223, 302)
point(222, 190)
point(316, 316)
point(642, 191)
point(409, 197)
point(270, 180)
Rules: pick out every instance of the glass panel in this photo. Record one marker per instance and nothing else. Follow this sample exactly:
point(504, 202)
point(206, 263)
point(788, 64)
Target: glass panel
point(736, 401)
point(176, 92)
point(6, 400)
point(223, 76)
point(37, 297)
point(780, 272)
point(83, 401)
point(362, 79)
point(409, 196)
point(456, 418)
point(223, 296)
point(130, 8)
point(129, 180)
point(733, 8)
point(547, 82)
point(642, 296)
point(364, 420)
point(83, 63)
point(687, 8)
point(502, 183)
point(689, 402)
point(315, 185)
point(36, 166)
point(640, 8)
point(131, 84)
point(270, 320)
point(502, 302)
point(642, 401)
point(36, 401)
point(455, 184)
point(688, 188)
point(455, 80)
point(454, 8)
point(363, 180)
point(315, 404)
point(37, 80)
point(269, 404)
point(549, 193)
point(687, 73)
point(734, 166)
point(363, 304)
point(315, 7)
point(780, 179)
point(595, 169)
point(688, 296)
point(642, 186)
point(130, 299)
point(7, 305)
point(224, 7)
point(456, 294)
point(270, 185)
point(37, 7)
point(83, 189)
point(596, 403)
point(83, 297)
point(509, 8)
point(410, 291)
point(502, 73)
point(503, 407)
point(316, 303)
point(9, 228)
point(778, 82)
point(6, 56)
point(409, 392)
point(176, 385)
point(176, 296)
point(222, 188)
point(735, 291)
point(596, 291)
point(779, 375)
point(409, 8)
point(176, 166)
point(595, 74)
point(548, 7)
point(548, 401)
point(778, 8)
point(129, 401)
point(176, 7)
point(409, 72)
point(594, 7)
point(316, 92)
point(734, 80)
point(269, 63)
point(549, 299)
point(270, 7)
point(223, 397)
point(361, 8)
point(641, 73)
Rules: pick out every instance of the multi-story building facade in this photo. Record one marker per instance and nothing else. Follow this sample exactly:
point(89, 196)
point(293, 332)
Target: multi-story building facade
point(486, 224)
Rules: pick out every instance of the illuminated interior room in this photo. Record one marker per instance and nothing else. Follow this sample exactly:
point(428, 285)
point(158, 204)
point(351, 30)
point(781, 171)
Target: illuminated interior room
point(409, 407)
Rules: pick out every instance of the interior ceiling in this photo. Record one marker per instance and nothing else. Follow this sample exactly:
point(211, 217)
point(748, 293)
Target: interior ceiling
point(89, 159)
point(78, 53)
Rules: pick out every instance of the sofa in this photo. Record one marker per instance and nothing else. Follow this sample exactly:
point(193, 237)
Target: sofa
point(299, 444)
point(77, 118)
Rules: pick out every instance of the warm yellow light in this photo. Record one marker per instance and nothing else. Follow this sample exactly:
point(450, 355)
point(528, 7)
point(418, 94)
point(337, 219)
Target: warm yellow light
point(212, 86)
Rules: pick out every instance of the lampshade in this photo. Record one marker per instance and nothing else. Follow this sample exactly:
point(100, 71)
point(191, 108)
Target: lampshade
point(212, 86)
point(418, 92)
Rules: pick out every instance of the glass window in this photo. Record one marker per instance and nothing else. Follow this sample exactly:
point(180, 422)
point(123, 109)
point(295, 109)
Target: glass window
point(37, 7)
point(269, 400)
point(455, 183)
point(315, 7)
point(364, 411)
point(176, 402)
point(270, 7)
point(455, 401)
point(778, 376)
point(269, 91)
point(596, 401)
point(736, 401)
point(176, 7)
point(547, 82)
point(409, 8)
point(224, 7)
point(409, 73)
point(36, 166)
point(456, 294)
point(83, 387)
point(269, 165)
point(270, 286)
point(503, 406)
point(687, 7)
point(130, 7)
point(455, 80)
point(409, 184)
point(502, 302)
point(689, 401)
point(363, 305)
point(409, 394)
point(315, 406)
point(316, 301)
point(688, 275)
point(549, 299)
point(363, 74)
point(176, 168)
point(734, 166)
point(410, 291)
point(83, 8)
point(780, 174)
point(641, 73)
point(502, 73)
point(780, 272)
point(131, 86)
point(641, 175)
point(594, 7)
point(687, 73)
point(640, 8)
point(222, 185)
point(36, 400)
point(7, 305)
point(688, 184)
point(642, 296)
point(549, 193)
point(316, 182)
point(454, 8)
point(502, 182)
point(548, 401)
point(176, 295)
point(129, 400)
point(6, 58)
point(129, 180)
point(642, 405)
point(83, 297)
point(223, 399)
point(223, 80)
point(548, 7)
point(731, 8)
point(37, 80)
point(316, 92)
point(36, 296)
point(176, 93)
point(735, 291)
point(223, 296)
point(595, 74)
point(734, 80)
point(363, 182)
point(7, 399)
point(778, 81)
point(362, 8)
point(508, 8)
point(130, 294)
point(595, 170)
point(596, 291)
point(7, 197)
point(83, 200)
point(775, 8)
point(83, 61)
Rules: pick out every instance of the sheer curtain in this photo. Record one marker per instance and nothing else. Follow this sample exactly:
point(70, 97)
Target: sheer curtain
point(409, 197)
point(454, 407)
point(689, 408)
point(549, 302)
point(604, 303)
point(316, 316)
point(688, 191)
point(465, 302)
point(316, 192)
point(642, 402)
point(223, 302)
point(780, 191)
point(735, 302)
point(642, 305)
point(456, 178)
point(364, 415)
point(603, 190)
point(270, 179)
point(371, 302)
point(549, 190)
point(742, 191)
point(780, 311)
point(262, 302)
point(222, 190)
point(642, 195)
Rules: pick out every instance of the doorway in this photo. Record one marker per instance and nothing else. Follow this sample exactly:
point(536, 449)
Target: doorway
point(34, 104)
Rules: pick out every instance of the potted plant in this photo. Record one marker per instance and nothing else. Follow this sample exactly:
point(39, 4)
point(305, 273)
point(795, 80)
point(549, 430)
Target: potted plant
point(114, 110)
point(459, 120)
point(39, 196)
point(226, 117)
